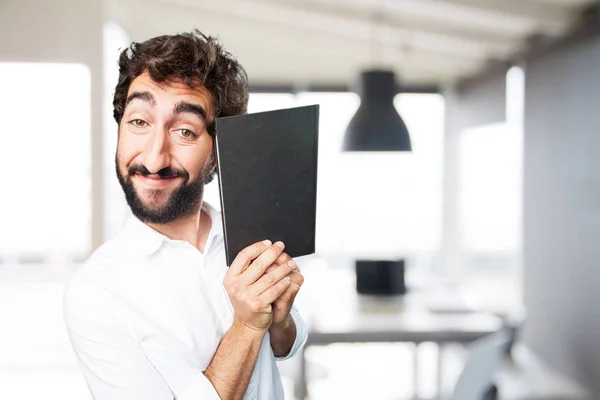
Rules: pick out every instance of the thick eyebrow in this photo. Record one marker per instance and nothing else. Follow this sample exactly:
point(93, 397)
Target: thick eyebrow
point(185, 107)
point(144, 96)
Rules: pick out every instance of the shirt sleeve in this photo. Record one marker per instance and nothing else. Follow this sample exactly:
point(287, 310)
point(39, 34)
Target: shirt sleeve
point(301, 335)
point(112, 361)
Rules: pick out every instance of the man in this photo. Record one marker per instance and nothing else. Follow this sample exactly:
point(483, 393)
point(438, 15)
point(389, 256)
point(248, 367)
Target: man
point(155, 313)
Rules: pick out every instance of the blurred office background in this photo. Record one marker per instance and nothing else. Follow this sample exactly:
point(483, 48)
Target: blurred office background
point(496, 211)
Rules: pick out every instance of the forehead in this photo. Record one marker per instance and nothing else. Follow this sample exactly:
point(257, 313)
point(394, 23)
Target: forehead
point(171, 91)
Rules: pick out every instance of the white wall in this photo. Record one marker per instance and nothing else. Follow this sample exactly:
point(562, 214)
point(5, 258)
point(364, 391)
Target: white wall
point(561, 251)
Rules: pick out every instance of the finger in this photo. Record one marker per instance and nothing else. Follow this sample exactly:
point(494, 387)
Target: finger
point(285, 301)
point(269, 279)
point(261, 263)
point(246, 256)
point(297, 277)
point(283, 258)
point(271, 294)
point(295, 273)
point(277, 263)
point(290, 293)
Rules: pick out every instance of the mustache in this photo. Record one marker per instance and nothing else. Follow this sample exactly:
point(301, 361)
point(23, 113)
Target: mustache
point(166, 172)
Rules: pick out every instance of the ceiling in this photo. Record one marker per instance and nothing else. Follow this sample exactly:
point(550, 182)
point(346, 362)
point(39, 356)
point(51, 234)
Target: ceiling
point(326, 42)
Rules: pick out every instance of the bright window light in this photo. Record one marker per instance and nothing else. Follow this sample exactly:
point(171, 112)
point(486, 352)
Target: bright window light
point(45, 158)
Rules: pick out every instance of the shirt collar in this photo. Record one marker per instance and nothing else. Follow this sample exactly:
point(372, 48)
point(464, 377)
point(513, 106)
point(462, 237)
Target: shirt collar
point(216, 228)
point(144, 240)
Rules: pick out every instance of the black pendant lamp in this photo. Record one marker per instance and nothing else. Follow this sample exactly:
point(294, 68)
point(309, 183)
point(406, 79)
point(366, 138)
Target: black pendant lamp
point(377, 126)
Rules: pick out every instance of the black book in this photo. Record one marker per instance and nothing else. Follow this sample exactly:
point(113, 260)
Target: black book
point(268, 179)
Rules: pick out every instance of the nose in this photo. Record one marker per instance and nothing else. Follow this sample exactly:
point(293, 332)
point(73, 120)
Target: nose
point(157, 155)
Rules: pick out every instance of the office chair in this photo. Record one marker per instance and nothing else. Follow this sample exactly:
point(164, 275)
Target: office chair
point(483, 361)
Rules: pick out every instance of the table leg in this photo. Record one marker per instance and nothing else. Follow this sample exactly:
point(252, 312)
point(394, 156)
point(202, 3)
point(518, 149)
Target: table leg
point(416, 371)
point(440, 371)
point(301, 389)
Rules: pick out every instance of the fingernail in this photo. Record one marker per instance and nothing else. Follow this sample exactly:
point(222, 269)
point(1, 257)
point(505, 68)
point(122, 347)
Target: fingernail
point(292, 264)
point(267, 242)
point(280, 244)
point(287, 279)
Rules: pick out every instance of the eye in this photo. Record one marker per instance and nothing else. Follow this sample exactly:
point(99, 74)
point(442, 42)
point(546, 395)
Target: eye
point(185, 133)
point(139, 123)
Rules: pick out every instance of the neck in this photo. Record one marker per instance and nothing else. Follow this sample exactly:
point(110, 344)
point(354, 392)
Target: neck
point(193, 229)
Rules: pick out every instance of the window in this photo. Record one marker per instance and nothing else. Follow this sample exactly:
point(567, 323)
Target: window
point(490, 179)
point(490, 200)
point(45, 111)
point(490, 191)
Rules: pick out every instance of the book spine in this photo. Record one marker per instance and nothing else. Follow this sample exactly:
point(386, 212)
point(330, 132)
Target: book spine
point(316, 164)
point(223, 216)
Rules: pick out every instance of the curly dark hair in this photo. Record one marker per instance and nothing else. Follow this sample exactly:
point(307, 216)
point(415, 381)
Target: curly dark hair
point(195, 58)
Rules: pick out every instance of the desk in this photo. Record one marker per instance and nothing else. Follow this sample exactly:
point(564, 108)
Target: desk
point(335, 313)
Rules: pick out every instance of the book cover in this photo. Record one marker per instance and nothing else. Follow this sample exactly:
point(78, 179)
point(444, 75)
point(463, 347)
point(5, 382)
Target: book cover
point(267, 171)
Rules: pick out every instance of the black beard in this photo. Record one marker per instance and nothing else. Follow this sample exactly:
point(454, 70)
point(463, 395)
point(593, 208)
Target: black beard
point(182, 202)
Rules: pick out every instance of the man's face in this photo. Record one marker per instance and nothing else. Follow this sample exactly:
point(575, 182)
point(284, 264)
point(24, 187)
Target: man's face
point(164, 152)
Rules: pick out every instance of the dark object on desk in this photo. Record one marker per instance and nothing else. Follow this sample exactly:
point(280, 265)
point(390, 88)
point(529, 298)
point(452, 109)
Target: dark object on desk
point(380, 277)
point(491, 393)
point(268, 179)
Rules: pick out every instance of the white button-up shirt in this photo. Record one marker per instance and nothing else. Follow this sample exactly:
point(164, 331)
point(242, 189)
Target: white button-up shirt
point(145, 315)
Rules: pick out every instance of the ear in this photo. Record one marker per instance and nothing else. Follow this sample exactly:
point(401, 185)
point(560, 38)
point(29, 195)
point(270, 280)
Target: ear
point(213, 163)
point(212, 170)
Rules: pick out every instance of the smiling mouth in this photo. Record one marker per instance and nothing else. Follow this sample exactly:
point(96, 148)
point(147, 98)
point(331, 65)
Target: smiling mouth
point(155, 180)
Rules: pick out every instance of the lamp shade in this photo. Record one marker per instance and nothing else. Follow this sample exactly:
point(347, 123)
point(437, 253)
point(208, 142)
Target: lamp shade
point(377, 126)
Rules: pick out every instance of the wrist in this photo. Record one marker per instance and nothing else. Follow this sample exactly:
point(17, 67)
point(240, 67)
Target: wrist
point(248, 330)
point(283, 325)
point(283, 336)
